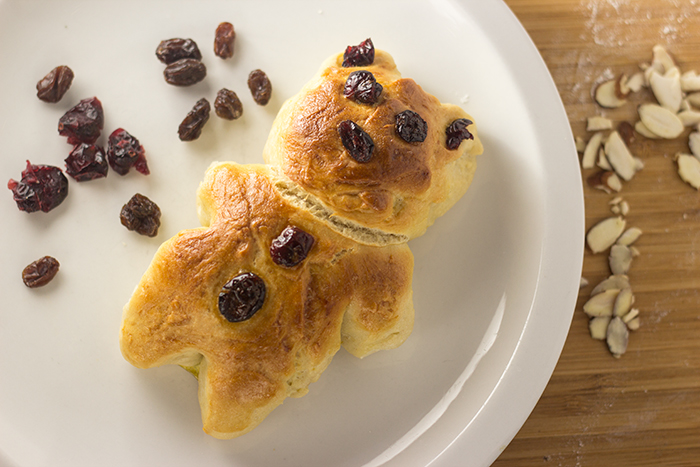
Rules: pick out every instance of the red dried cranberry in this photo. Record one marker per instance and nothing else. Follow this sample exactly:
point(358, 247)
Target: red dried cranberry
point(172, 50)
point(83, 123)
point(411, 127)
point(141, 215)
point(42, 188)
point(358, 143)
point(54, 85)
point(456, 132)
point(291, 246)
point(223, 40)
point(124, 152)
point(191, 127)
point(242, 297)
point(87, 162)
point(359, 55)
point(361, 86)
point(260, 87)
point(40, 272)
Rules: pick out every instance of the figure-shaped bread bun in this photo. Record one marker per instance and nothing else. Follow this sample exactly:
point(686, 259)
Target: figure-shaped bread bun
point(403, 187)
point(341, 292)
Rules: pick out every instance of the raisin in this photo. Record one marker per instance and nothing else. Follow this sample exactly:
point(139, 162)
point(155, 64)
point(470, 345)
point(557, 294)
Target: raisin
point(411, 127)
point(54, 85)
point(260, 87)
point(359, 55)
point(83, 123)
point(40, 272)
point(42, 188)
point(191, 127)
point(241, 297)
point(358, 143)
point(172, 50)
point(87, 162)
point(223, 40)
point(361, 86)
point(185, 72)
point(456, 132)
point(227, 105)
point(291, 246)
point(141, 215)
point(124, 152)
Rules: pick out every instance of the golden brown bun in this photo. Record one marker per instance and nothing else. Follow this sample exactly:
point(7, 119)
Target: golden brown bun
point(246, 369)
point(404, 187)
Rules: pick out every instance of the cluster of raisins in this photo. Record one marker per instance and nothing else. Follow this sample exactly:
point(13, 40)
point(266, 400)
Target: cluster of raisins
point(184, 67)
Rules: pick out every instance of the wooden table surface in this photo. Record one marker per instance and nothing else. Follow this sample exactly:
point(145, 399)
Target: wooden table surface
point(642, 409)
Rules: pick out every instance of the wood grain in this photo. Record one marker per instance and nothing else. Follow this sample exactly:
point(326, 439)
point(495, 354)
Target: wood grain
point(644, 408)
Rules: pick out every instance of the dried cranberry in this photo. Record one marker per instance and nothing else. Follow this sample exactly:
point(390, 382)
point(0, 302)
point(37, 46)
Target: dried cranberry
point(83, 123)
point(227, 105)
point(54, 85)
point(223, 40)
point(241, 297)
point(291, 246)
point(411, 127)
point(124, 152)
point(361, 86)
point(42, 188)
point(40, 272)
point(191, 127)
point(260, 87)
point(359, 55)
point(185, 72)
point(172, 50)
point(87, 162)
point(141, 215)
point(358, 143)
point(456, 132)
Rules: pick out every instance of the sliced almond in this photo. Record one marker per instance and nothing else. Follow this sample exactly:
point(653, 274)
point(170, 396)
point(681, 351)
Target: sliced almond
point(690, 81)
point(667, 89)
point(590, 153)
point(603, 162)
point(694, 143)
point(633, 313)
point(604, 234)
point(598, 123)
point(636, 82)
point(606, 181)
point(694, 99)
point(624, 208)
point(618, 282)
point(638, 164)
point(598, 327)
point(620, 157)
point(622, 90)
point(661, 56)
point(689, 117)
point(601, 304)
point(689, 169)
point(615, 209)
point(583, 283)
point(623, 302)
point(642, 129)
point(606, 96)
point(617, 337)
point(633, 325)
point(685, 105)
point(580, 144)
point(635, 251)
point(660, 121)
point(629, 236)
point(620, 259)
point(655, 67)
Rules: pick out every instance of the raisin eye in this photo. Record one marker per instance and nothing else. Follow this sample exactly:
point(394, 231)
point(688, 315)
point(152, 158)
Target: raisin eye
point(411, 127)
point(456, 132)
point(358, 143)
point(291, 246)
point(242, 297)
point(361, 86)
point(359, 55)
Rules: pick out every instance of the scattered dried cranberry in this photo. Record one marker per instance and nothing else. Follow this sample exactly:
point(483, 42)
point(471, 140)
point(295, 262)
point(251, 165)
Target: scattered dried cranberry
point(141, 215)
point(291, 246)
point(223, 40)
point(260, 87)
point(242, 297)
point(411, 127)
point(172, 50)
point(456, 132)
point(87, 162)
point(359, 55)
point(40, 272)
point(83, 123)
point(361, 86)
point(185, 72)
point(191, 127)
point(124, 152)
point(42, 188)
point(54, 85)
point(227, 105)
point(358, 143)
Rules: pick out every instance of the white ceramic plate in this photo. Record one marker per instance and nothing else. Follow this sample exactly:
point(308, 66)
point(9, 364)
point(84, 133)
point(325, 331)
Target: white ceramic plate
point(497, 277)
